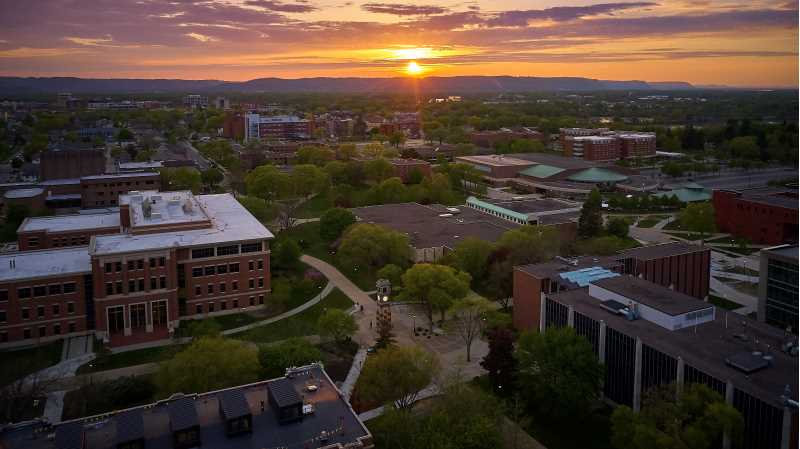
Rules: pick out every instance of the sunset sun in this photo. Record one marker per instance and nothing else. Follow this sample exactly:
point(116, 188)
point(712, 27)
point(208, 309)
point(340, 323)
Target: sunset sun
point(413, 68)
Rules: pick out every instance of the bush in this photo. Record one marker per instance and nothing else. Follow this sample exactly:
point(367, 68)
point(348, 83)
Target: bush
point(276, 358)
point(617, 227)
point(334, 222)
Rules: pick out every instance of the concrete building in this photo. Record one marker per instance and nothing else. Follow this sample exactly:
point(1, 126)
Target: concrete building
point(647, 336)
point(763, 216)
point(195, 101)
point(174, 256)
point(286, 127)
point(301, 410)
point(496, 167)
point(404, 167)
point(777, 287)
point(71, 163)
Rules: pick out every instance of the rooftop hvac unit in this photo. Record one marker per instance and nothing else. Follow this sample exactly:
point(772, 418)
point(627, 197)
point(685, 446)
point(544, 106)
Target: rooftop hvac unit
point(155, 215)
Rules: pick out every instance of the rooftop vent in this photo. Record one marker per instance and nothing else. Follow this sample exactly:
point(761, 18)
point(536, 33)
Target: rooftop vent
point(748, 362)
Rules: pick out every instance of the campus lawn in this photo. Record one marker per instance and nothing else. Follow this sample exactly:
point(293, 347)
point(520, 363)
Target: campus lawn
point(22, 362)
point(130, 358)
point(316, 206)
point(726, 304)
point(647, 223)
point(300, 325)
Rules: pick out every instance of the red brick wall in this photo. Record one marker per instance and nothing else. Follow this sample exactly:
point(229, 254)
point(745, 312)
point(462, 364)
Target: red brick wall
point(242, 293)
point(686, 273)
point(608, 151)
point(759, 223)
point(105, 192)
point(527, 300)
point(59, 239)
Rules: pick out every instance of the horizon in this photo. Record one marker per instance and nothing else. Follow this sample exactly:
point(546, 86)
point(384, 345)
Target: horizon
point(702, 43)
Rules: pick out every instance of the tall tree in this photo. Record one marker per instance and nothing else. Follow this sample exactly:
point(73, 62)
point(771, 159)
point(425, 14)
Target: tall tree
point(698, 418)
point(469, 319)
point(558, 371)
point(268, 183)
point(372, 246)
point(531, 244)
point(397, 374)
point(337, 324)
point(699, 218)
point(500, 361)
point(334, 222)
point(590, 222)
point(275, 358)
point(435, 286)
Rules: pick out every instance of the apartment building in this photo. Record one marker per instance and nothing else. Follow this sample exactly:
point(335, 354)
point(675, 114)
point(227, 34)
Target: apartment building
point(602, 144)
point(105, 190)
point(287, 127)
point(173, 256)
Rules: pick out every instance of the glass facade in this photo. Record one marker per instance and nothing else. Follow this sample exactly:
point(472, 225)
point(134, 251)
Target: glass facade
point(555, 314)
point(780, 308)
point(657, 368)
point(620, 361)
point(763, 423)
point(588, 328)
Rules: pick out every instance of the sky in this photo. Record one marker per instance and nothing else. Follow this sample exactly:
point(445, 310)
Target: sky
point(720, 42)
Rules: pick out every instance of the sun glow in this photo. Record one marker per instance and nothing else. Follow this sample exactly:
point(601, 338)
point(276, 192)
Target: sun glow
point(413, 68)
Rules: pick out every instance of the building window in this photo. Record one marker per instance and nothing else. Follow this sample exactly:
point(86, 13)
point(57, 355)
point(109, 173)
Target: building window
point(109, 267)
point(39, 290)
point(210, 289)
point(23, 293)
point(140, 264)
point(227, 250)
point(162, 281)
point(3, 295)
point(118, 266)
point(72, 327)
point(197, 272)
point(2, 316)
point(235, 285)
point(40, 312)
point(119, 287)
point(26, 333)
point(222, 269)
point(162, 261)
point(260, 282)
point(56, 329)
point(210, 271)
point(260, 299)
point(252, 300)
point(210, 307)
point(198, 290)
point(152, 263)
point(251, 247)
point(70, 307)
point(235, 303)
point(234, 267)
point(141, 285)
point(198, 308)
point(131, 265)
point(251, 283)
point(56, 309)
point(223, 305)
point(116, 319)
point(260, 264)
point(42, 331)
point(152, 283)
point(3, 337)
point(69, 287)
point(54, 289)
point(131, 286)
point(201, 253)
point(109, 288)
point(33, 241)
point(159, 312)
point(222, 287)
point(251, 265)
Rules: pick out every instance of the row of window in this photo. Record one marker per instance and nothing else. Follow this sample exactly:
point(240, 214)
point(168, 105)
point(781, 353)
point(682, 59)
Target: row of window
point(116, 267)
point(223, 305)
point(26, 333)
point(222, 287)
point(211, 270)
point(41, 290)
point(121, 184)
point(228, 250)
point(40, 311)
point(136, 285)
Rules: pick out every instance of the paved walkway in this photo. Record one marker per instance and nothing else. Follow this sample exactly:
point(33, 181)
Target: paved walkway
point(54, 406)
point(75, 347)
point(353, 374)
point(660, 225)
point(749, 303)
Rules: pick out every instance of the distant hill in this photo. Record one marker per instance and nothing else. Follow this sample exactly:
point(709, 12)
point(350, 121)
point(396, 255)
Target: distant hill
point(455, 84)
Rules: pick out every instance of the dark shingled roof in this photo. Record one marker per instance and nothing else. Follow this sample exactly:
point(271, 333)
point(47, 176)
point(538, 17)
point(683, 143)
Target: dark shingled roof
point(652, 295)
point(130, 425)
point(182, 414)
point(661, 250)
point(233, 404)
point(283, 393)
point(69, 436)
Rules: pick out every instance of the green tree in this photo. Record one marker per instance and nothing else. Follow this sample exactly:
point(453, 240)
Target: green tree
point(286, 254)
point(699, 218)
point(337, 324)
point(212, 177)
point(276, 358)
point(307, 179)
point(435, 286)
point(268, 183)
point(472, 256)
point(124, 134)
point(558, 371)
point(181, 178)
point(397, 374)
point(258, 207)
point(373, 246)
point(531, 244)
point(315, 155)
point(617, 227)
point(397, 138)
point(378, 170)
point(208, 364)
point(469, 319)
point(389, 191)
point(392, 273)
point(590, 222)
point(695, 419)
point(203, 328)
point(346, 151)
point(334, 222)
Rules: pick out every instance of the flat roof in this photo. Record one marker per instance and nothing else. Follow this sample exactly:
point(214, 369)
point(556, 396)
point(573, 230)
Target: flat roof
point(495, 160)
point(120, 175)
point(165, 208)
point(74, 222)
point(707, 345)
point(662, 250)
point(140, 165)
point(556, 160)
point(43, 263)
point(434, 225)
point(533, 205)
point(788, 251)
point(653, 295)
point(24, 193)
point(772, 196)
point(403, 161)
point(552, 269)
point(332, 416)
point(230, 222)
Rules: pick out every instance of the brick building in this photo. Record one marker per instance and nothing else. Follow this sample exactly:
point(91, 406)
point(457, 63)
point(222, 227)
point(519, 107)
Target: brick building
point(233, 126)
point(404, 167)
point(602, 144)
point(763, 216)
point(680, 266)
point(104, 190)
point(65, 230)
point(174, 256)
point(593, 148)
point(71, 163)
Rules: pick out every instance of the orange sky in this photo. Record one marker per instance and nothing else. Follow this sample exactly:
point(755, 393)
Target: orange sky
point(699, 41)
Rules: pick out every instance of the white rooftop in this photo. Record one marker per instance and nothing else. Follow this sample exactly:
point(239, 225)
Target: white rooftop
point(140, 165)
point(594, 138)
point(24, 193)
point(121, 175)
point(76, 222)
point(164, 207)
point(231, 222)
point(49, 262)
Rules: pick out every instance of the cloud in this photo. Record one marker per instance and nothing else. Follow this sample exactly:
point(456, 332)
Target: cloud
point(27, 52)
point(560, 13)
point(398, 9)
point(201, 37)
point(282, 7)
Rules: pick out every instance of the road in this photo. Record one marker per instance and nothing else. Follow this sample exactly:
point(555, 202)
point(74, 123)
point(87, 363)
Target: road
point(753, 178)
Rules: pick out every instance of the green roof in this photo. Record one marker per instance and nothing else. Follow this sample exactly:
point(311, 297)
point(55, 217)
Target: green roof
point(693, 186)
point(595, 174)
point(495, 208)
point(687, 195)
point(541, 171)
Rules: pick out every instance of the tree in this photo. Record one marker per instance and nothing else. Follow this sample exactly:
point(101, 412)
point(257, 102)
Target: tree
point(389, 191)
point(315, 156)
point(617, 227)
point(435, 286)
point(378, 170)
point(182, 178)
point(257, 207)
point(590, 222)
point(208, 364)
point(558, 371)
point(697, 418)
point(397, 374)
point(500, 361)
point(212, 177)
point(337, 324)
point(392, 273)
point(469, 319)
point(334, 222)
point(699, 218)
point(267, 182)
point(285, 254)
point(531, 244)
point(124, 134)
point(346, 151)
point(397, 138)
point(276, 358)
point(373, 246)
point(307, 179)
point(203, 328)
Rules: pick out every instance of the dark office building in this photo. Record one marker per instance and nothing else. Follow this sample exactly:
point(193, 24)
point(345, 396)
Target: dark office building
point(73, 163)
point(777, 288)
point(647, 335)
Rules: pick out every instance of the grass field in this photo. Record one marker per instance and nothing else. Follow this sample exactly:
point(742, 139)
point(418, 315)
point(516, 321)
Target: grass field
point(647, 222)
point(130, 358)
point(302, 324)
point(20, 363)
point(724, 303)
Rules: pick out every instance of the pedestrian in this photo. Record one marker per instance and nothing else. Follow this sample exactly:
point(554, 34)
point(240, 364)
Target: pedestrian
point(370, 324)
point(362, 307)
